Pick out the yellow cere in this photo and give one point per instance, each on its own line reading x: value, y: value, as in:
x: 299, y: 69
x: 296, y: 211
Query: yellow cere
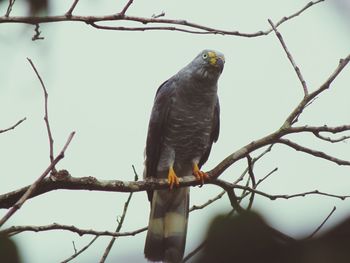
x: 213, y: 58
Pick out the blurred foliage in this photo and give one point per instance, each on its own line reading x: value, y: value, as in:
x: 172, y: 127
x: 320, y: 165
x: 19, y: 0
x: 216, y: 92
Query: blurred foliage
x: 248, y: 238
x: 34, y: 6
x: 8, y: 250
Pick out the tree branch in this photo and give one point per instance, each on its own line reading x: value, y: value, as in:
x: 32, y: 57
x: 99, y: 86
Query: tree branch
x: 322, y: 224
x: 77, y: 253
x: 70, y: 10
x: 9, y: 8
x: 29, y: 192
x: 310, y: 97
x: 291, y: 59
x: 46, y: 116
x: 13, y: 126
x: 313, y: 152
x: 122, y: 218
x: 179, y: 25
x: 126, y: 7
x: 13, y: 230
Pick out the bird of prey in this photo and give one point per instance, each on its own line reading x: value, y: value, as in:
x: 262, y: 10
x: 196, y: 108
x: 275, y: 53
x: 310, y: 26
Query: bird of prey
x: 183, y: 125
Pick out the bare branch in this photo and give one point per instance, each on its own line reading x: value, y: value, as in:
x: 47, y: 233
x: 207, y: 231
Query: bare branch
x: 75, y: 249
x: 120, y: 224
x: 308, y: 5
x: 9, y: 8
x: 342, y: 64
x: 254, y: 160
x: 322, y: 224
x: 70, y: 10
x: 291, y: 59
x: 179, y: 25
x: 33, y: 187
x: 194, y: 252
x: 90, y: 183
x: 306, y: 100
x: 272, y: 197
x: 318, y: 129
x: 126, y: 7
x: 329, y: 139
x: 13, y: 126
x: 77, y: 253
x: 46, y: 116
x: 266, y: 176
x: 13, y: 230
x: 252, y: 178
x: 210, y: 201
x: 313, y: 152
x: 324, y: 128
x: 159, y: 15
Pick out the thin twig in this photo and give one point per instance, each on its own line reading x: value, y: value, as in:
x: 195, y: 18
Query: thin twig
x: 306, y: 100
x: 266, y: 176
x: 252, y: 178
x: 317, y: 129
x: 210, y: 201
x: 70, y: 10
x: 46, y: 116
x: 322, y: 224
x: 77, y: 253
x: 318, y: 154
x: 75, y: 249
x: 159, y: 15
x: 126, y: 7
x: 329, y: 139
x: 13, y: 126
x: 194, y: 252
x: 32, y: 188
x: 291, y: 59
x: 120, y: 224
x: 9, y: 8
x: 121, y: 221
x: 267, y: 150
x: 308, y: 5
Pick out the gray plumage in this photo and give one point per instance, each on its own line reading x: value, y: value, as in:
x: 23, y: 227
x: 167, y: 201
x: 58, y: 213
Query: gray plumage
x: 184, y: 124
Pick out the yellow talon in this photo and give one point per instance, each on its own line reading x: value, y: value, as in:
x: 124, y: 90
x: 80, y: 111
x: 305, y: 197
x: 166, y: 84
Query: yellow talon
x: 172, y: 178
x: 200, y: 175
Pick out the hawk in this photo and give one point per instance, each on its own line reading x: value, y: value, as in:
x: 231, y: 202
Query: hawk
x: 184, y: 124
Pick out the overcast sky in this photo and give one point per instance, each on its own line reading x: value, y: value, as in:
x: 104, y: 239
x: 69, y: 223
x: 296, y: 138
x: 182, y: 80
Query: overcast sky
x: 101, y: 84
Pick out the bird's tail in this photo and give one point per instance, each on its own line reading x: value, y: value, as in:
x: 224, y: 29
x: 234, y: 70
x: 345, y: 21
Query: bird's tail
x: 166, y: 236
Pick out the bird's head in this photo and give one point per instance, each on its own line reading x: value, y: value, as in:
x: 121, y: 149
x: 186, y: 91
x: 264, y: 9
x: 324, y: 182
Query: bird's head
x: 209, y: 64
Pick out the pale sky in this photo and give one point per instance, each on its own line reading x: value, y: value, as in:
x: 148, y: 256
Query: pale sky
x: 101, y: 84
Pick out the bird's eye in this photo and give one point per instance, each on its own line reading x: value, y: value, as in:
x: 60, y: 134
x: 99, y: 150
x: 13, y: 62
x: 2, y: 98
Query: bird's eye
x: 204, y: 56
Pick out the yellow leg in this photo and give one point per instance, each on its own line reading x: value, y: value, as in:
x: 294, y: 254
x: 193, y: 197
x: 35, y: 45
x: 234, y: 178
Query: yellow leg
x: 172, y: 178
x: 200, y: 175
